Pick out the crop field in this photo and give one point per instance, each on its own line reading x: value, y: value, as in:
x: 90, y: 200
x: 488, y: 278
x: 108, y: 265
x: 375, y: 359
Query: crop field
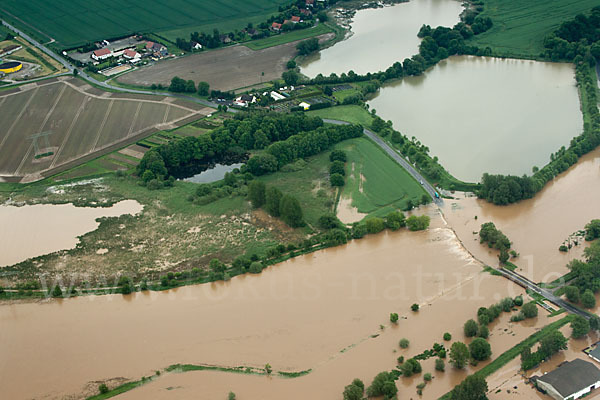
x: 374, y: 181
x: 521, y: 26
x: 224, y: 69
x: 54, y: 125
x: 76, y: 22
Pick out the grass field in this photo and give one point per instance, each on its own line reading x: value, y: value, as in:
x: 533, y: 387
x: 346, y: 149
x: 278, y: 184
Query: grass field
x: 73, y: 23
x: 521, y: 26
x: 288, y: 37
x: 352, y: 113
x: 81, y: 123
x: 374, y: 181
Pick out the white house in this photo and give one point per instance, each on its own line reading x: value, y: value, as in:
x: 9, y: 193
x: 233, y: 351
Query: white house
x: 304, y: 105
x: 244, y: 100
x: 571, y: 380
x: 102, y: 54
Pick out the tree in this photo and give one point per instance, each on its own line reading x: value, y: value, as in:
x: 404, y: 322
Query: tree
x: 256, y: 267
x: 337, y: 155
x: 268, y: 369
x: 404, y: 343
x: 375, y: 225
x: 337, y: 167
x: 257, y: 193
x: 291, y: 77
x: 572, y: 293
x: 308, y: 46
x: 336, y: 180
x: 480, y: 349
x: 383, y: 385
x: 552, y: 343
x: 231, y: 396
x: 395, y: 220
x: 580, y: 327
x: 415, y: 223
x: 322, y: 15
x: 440, y: 365
x: 518, y: 301
x: 290, y: 211
x: 483, y: 331
x: 530, y: 310
x: 103, y: 389
x: 394, y: 318
x: 353, y: 392
x: 415, y: 307
x: 594, y: 322
x: 592, y: 229
x: 410, y: 367
x: 447, y: 336
x: 470, y: 328
x: 203, y: 88
x: 588, y: 300
x: 459, y: 355
x: 474, y: 387
x: 272, y: 200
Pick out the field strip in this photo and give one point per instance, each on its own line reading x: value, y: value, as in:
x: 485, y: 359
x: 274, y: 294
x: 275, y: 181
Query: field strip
x: 48, y: 114
x: 18, y: 118
x: 134, y: 119
x: 80, y: 90
x: 102, y: 125
x: 166, y: 113
x: 64, y: 142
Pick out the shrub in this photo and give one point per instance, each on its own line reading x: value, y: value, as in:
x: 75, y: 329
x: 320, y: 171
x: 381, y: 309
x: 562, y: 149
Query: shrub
x: 256, y: 267
x: 483, y: 331
x: 410, y: 367
x: 470, y: 328
x: 447, y: 336
x: 440, y: 365
x: 103, y: 388
x: 480, y: 349
x: 404, y: 343
x: 394, y: 318
x: 414, y: 307
x: 518, y: 301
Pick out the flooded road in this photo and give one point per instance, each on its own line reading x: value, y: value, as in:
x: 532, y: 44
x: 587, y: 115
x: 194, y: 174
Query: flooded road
x: 35, y: 230
x: 537, y: 227
x: 481, y: 114
x: 382, y: 36
x: 297, y: 315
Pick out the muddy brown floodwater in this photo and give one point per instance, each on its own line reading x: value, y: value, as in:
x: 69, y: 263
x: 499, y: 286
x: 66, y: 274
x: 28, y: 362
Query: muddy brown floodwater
x: 537, y: 227
x: 34, y: 230
x: 297, y: 315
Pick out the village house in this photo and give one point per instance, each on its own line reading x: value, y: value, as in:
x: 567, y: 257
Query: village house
x: 244, y: 100
x: 196, y: 46
x: 295, y: 19
x: 132, y: 56
x: 101, y: 54
x: 276, y: 27
x: 571, y: 380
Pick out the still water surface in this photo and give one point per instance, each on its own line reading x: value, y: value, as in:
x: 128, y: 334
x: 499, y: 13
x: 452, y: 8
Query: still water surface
x: 481, y: 114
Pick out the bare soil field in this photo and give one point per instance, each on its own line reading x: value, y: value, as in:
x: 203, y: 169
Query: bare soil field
x: 225, y: 69
x: 49, y: 126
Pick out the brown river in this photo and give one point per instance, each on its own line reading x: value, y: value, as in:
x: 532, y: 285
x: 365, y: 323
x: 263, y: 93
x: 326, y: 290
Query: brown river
x: 382, y: 36
x: 481, y: 114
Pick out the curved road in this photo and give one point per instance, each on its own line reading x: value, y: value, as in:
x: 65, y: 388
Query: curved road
x: 398, y: 158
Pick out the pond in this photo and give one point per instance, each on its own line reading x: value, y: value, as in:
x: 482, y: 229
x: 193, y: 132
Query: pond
x: 35, y: 230
x: 213, y: 174
x: 481, y: 114
x: 382, y: 36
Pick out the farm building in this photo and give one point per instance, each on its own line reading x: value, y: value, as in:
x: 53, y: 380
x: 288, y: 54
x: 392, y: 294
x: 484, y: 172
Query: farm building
x: 571, y: 380
x: 131, y: 55
x: 101, y: 54
x: 11, y: 66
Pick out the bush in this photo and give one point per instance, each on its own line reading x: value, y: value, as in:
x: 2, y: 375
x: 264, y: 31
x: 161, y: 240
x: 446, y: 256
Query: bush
x: 103, y: 389
x: 414, y: 307
x: 256, y: 267
x: 470, y: 328
x: 394, y: 318
x: 447, y: 336
x: 530, y: 310
x: 518, y: 301
x: 480, y: 349
x: 427, y: 377
x: 404, y: 343
x: 483, y: 331
x: 336, y: 180
x: 337, y: 155
x: 410, y: 367
x: 328, y: 221
x: 440, y: 365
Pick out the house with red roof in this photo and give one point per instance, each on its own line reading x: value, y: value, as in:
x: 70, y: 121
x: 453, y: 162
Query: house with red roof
x: 276, y: 26
x: 101, y: 54
x: 296, y: 19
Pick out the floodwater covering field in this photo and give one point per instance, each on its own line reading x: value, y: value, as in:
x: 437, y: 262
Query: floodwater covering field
x: 538, y: 226
x: 481, y: 114
x: 34, y: 230
x: 382, y: 36
x: 322, y: 312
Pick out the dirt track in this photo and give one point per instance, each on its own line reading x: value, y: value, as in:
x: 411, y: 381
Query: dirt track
x: 224, y: 69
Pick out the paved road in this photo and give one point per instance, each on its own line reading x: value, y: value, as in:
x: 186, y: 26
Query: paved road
x: 70, y: 67
x: 398, y: 158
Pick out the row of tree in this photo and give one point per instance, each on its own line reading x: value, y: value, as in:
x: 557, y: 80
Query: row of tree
x: 276, y: 203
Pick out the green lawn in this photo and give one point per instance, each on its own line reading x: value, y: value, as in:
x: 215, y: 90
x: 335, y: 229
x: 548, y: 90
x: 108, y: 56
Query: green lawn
x: 376, y: 183
x: 521, y: 26
x: 75, y: 22
x: 352, y: 113
x: 288, y: 37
